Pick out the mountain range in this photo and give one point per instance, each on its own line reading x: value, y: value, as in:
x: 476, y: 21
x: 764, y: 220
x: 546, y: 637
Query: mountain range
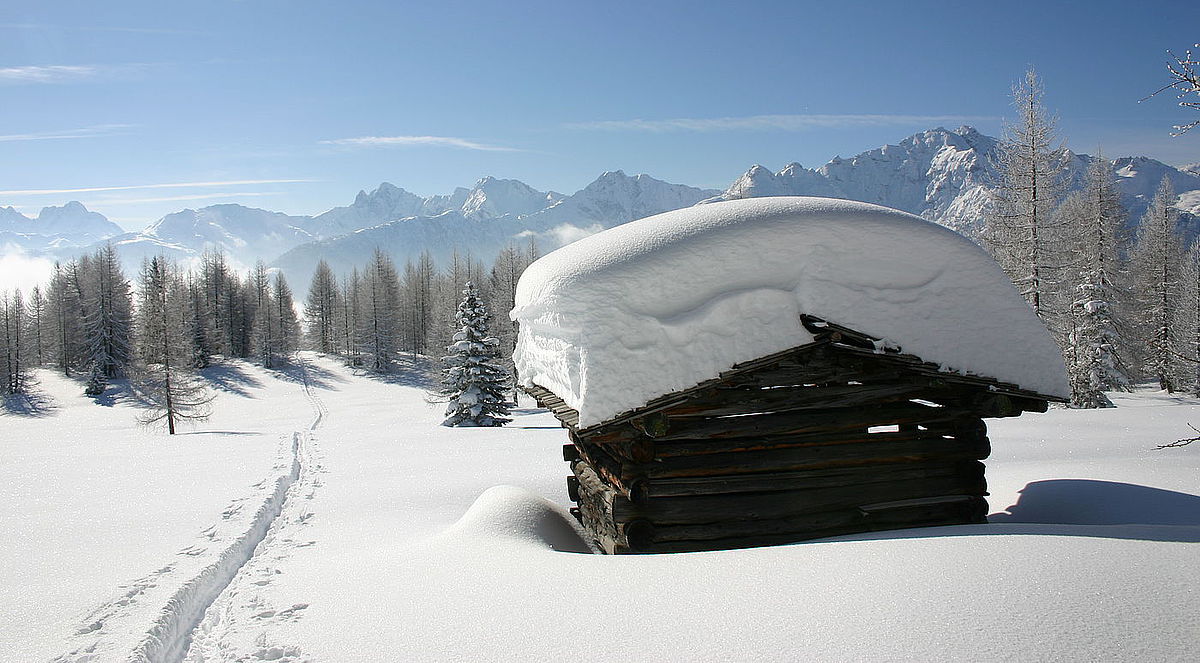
x: 939, y: 174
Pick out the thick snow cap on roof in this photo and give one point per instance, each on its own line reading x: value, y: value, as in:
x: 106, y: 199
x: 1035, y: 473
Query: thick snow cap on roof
x: 658, y: 305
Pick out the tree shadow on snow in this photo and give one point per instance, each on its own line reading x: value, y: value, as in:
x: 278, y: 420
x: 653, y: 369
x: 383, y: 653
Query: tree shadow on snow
x: 230, y: 378
x: 1137, y: 511
x: 33, y: 403
x: 218, y: 432
x: 318, y: 377
x: 118, y: 391
x: 1082, y: 507
x: 408, y: 371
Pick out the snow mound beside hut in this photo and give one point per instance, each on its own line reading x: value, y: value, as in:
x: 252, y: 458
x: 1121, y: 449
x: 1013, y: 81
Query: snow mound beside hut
x: 660, y: 304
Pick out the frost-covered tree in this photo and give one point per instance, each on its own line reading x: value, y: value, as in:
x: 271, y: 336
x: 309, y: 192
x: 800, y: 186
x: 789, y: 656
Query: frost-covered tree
x: 1188, y: 321
x: 173, y: 392
x: 417, y: 303
x: 1156, y: 266
x: 320, y: 309
x: 108, y: 323
x: 379, y: 324
x: 349, y: 314
x: 199, y: 326
x: 473, y: 380
x: 265, y: 334
x: 1094, y: 219
x: 1020, y: 229
x: 14, y: 356
x: 1185, y: 80
x: 65, y: 309
x: 285, y: 316
x: 37, y: 324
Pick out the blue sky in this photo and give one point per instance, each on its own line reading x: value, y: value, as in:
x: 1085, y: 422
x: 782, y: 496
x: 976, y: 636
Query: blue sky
x: 296, y: 105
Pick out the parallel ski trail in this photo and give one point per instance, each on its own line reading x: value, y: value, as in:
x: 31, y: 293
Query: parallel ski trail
x: 241, y: 607
x: 168, y: 639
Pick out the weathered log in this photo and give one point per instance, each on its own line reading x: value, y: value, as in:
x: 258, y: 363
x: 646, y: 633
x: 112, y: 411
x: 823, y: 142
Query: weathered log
x: 687, y: 538
x: 611, y: 469
x: 782, y: 504
x: 818, y: 457
x: 674, y: 448
x: 725, y: 402
x: 830, y: 419
x: 595, y: 509
x: 826, y: 478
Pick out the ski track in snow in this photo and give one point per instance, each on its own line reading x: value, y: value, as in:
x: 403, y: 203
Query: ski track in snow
x: 222, y: 595
x: 242, y: 611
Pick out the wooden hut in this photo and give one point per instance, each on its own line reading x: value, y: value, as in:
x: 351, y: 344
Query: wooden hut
x: 766, y: 371
x: 833, y: 437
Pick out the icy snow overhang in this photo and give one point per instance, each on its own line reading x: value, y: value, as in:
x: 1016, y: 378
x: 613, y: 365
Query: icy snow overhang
x: 656, y: 306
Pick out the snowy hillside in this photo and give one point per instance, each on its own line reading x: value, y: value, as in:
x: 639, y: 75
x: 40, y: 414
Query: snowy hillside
x: 307, y: 523
x: 944, y: 176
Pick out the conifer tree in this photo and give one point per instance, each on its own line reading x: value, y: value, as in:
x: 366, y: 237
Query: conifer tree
x: 379, y: 325
x: 1095, y: 218
x: 1019, y: 229
x: 473, y: 380
x: 320, y: 309
x: 285, y: 315
x: 1189, y: 320
x: 1156, y: 262
x: 199, y: 325
x: 265, y: 334
x: 173, y: 392
x: 66, y: 308
x: 14, y: 369
x: 37, y: 324
x: 108, y: 322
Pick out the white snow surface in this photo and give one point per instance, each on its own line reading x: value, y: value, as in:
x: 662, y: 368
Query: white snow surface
x: 658, y: 305
x: 398, y: 539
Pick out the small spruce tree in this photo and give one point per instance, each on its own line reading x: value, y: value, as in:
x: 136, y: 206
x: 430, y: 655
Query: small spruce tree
x: 473, y: 380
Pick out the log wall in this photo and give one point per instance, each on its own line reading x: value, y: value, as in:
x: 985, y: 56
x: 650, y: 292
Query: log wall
x: 830, y: 439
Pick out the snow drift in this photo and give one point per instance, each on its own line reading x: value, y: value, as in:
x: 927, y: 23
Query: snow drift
x: 661, y: 304
x: 509, y: 513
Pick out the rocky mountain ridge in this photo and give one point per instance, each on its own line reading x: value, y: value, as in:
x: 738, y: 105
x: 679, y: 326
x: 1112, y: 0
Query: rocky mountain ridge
x: 939, y: 174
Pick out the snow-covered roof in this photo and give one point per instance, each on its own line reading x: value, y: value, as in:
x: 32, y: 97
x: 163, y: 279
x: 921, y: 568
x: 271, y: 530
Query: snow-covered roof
x: 658, y: 305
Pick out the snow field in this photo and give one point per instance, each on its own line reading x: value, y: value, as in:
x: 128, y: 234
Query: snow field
x: 400, y: 539
x: 107, y: 522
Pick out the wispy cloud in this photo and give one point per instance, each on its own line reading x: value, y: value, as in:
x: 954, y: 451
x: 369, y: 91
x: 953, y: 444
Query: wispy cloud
x: 83, y: 132
x: 61, y: 73
x: 197, y: 196
x: 99, y: 28
x: 772, y: 122
x: 48, y: 74
x: 410, y: 141
x: 130, y: 187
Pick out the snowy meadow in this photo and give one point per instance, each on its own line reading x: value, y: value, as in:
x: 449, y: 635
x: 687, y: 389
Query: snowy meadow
x: 322, y: 514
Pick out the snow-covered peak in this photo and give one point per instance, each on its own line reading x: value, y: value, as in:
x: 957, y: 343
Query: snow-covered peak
x: 615, y: 198
x: 1140, y: 177
x: 939, y: 174
x: 660, y: 304
x: 491, y: 198
x: 13, y: 221
x: 245, y: 233
x: 74, y: 222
